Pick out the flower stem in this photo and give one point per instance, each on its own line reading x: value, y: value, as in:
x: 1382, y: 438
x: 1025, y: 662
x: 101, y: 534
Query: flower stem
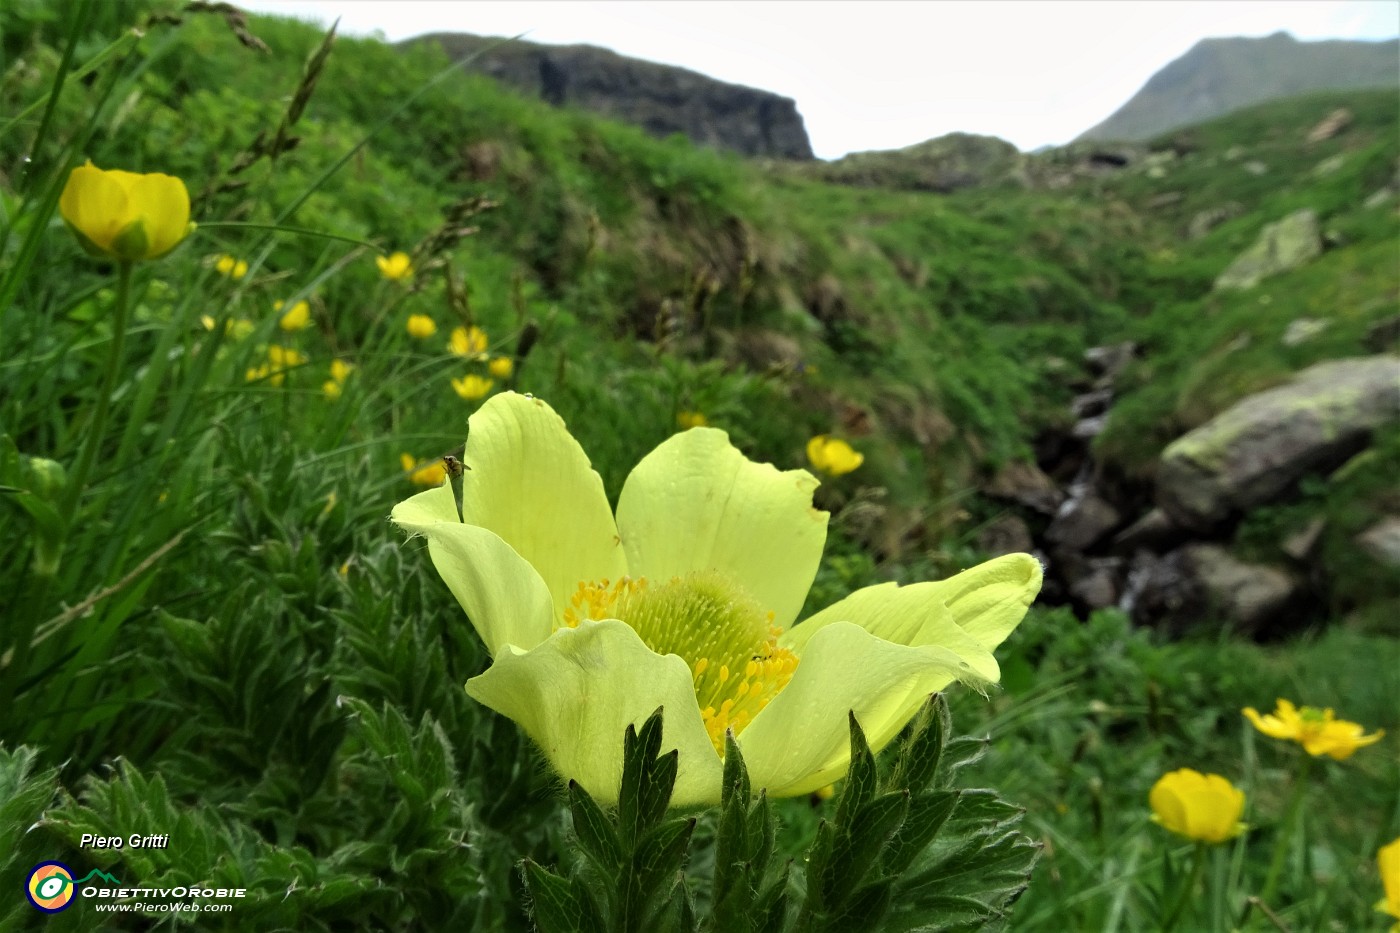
x: 1198, y: 864
x: 1289, y: 826
x: 97, y: 429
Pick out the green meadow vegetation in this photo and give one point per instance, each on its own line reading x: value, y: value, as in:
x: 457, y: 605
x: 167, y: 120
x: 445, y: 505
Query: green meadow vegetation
x: 211, y: 630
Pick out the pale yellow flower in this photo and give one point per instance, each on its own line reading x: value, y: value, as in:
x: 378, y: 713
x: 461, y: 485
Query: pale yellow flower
x: 691, y: 419
x: 237, y: 328
x: 467, y: 341
x: 1202, y: 807
x: 230, y: 267
x: 423, y: 473
x: 472, y: 387
x: 1317, y: 730
x: 501, y: 367
x: 833, y: 456
x: 298, y: 318
x: 125, y: 215
x: 686, y: 599
x: 421, y: 327
x: 395, y: 267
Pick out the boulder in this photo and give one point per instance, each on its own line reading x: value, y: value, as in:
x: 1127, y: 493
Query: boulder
x: 1025, y: 484
x: 1301, y: 544
x: 1284, y: 245
x: 1382, y: 541
x: 1261, y: 446
x: 1005, y: 534
x: 1204, y: 221
x: 1099, y: 583
x: 1303, y: 329
x: 1331, y: 125
x: 1176, y: 591
x: 1108, y: 362
x: 1154, y: 531
x: 1081, y: 521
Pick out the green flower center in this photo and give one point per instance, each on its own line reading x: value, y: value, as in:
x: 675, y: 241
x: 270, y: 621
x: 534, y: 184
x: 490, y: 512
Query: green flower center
x: 705, y: 618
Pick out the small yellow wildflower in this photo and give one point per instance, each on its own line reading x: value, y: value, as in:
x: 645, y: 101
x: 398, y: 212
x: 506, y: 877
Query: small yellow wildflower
x: 1388, y: 861
x: 279, y: 359
x: 1317, y: 730
x: 691, y: 419
x: 421, y: 327
x: 231, y: 267
x: 472, y: 387
x: 125, y: 215
x: 237, y: 328
x: 395, y: 267
x: 467, y: 341
x: 340, y: 371
x: 298, y: 318
x: 420, y: 473
x: 1203, y: 807
x: 833, y: 456
x: 501, y: 367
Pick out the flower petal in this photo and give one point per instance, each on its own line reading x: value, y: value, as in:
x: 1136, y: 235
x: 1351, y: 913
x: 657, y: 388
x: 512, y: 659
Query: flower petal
x: 801, y: 740
x: 164, y: 202
x: 530, y: 482
x: 912, y: 615
x: 697, y: 503
x: 503, y: 596
x: 988, y: 601
x: 577, y: 693
x: 95, y: 204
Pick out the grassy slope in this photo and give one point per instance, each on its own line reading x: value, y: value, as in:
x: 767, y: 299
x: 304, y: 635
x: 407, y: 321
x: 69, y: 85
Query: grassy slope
x: 935, y: 317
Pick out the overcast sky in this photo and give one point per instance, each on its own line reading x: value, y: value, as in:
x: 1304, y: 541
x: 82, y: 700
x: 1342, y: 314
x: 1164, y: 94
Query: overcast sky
x: 876, y: 74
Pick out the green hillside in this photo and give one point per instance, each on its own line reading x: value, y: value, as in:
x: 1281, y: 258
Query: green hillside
x: 211, y: 630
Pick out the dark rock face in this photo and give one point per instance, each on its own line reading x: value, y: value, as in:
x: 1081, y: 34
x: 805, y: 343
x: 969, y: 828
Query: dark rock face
x: 661, y: 99
x: 1206, y: 581
x: 1258, y: 448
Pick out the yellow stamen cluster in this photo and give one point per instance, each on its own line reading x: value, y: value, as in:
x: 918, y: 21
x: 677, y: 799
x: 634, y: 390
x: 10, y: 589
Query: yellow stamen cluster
x: 730, y: 643
x: 596, y: 600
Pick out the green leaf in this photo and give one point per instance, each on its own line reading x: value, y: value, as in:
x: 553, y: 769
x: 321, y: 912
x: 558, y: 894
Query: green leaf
x: 858, y: 848
x: 927, y: 814
x: 921, y: 748
x: 557, y: 904
x: 594, y: 830
x: 862, y: 780
x: 657, y: 860
x: 646, y: 780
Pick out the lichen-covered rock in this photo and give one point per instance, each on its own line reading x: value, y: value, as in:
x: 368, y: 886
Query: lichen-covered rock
x: 1281, y: 246
x: 1258, y: 448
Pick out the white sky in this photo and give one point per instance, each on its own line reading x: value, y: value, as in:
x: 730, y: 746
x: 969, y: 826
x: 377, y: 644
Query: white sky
x: 883, y: 74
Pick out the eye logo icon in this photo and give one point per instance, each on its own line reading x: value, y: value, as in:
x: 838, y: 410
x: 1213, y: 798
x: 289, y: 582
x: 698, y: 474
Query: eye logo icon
x: 50, y: 887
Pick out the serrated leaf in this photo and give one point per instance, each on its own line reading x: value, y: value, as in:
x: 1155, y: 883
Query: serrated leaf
x: 928, y: 812
x: 647, y: 780
x: 593, y: 829
x: 959, y: 753
x: 557, y: 904
x: 857, y: 850
x: 736, y: 775
x: 921, y: 750
x: 865, y: 909
x: 862, y: 779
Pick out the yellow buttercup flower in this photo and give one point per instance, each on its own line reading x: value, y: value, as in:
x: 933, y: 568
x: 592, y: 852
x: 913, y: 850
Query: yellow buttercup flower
x: 279, y: 359
x: 1388, y: 861
x: 424, y: 473
x: 501, y: 367
x: 237, y: 328
x: 395, y: 267
x: 1203, y: 807
x: 340, y: 371
x: 1317, y: 730
x: 421, y: 327
x: 833, y: 456
x: 691, y: 419
x: 472, y: 387
x: 125, y: 215
x: 231, y: 267
x: 467, y: 341
x: 298, y: 318
x: 686, y: 599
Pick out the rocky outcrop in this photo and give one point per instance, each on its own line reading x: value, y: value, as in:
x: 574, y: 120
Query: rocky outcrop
x: 948, y: 163
x: 1281, y: 246
x: 661, y: 99
x: 1261, y: 446
x: 1200, y: 581
x: 1382, y: 541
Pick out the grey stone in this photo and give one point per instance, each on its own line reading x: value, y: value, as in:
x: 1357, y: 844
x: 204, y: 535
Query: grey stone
x: 1154, y: 530
x: 1081, y: 521
x: 1025, y: 484
x: 1110, y: 360
x: 1248, y: 595
x: 1176, y: 591
x: 1284, y: 245
x: 1204, y: 221
x: 1092, y: 403
x: 1331, y: 125
x: 1005, y: 534
x: 1255, y: 167
x: 1382, y: 541
x: 1301, y: 544
x: 1099, y: 585
x: 1302, y: 330
x: 1089, y: 428
x: 1258, y: 448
